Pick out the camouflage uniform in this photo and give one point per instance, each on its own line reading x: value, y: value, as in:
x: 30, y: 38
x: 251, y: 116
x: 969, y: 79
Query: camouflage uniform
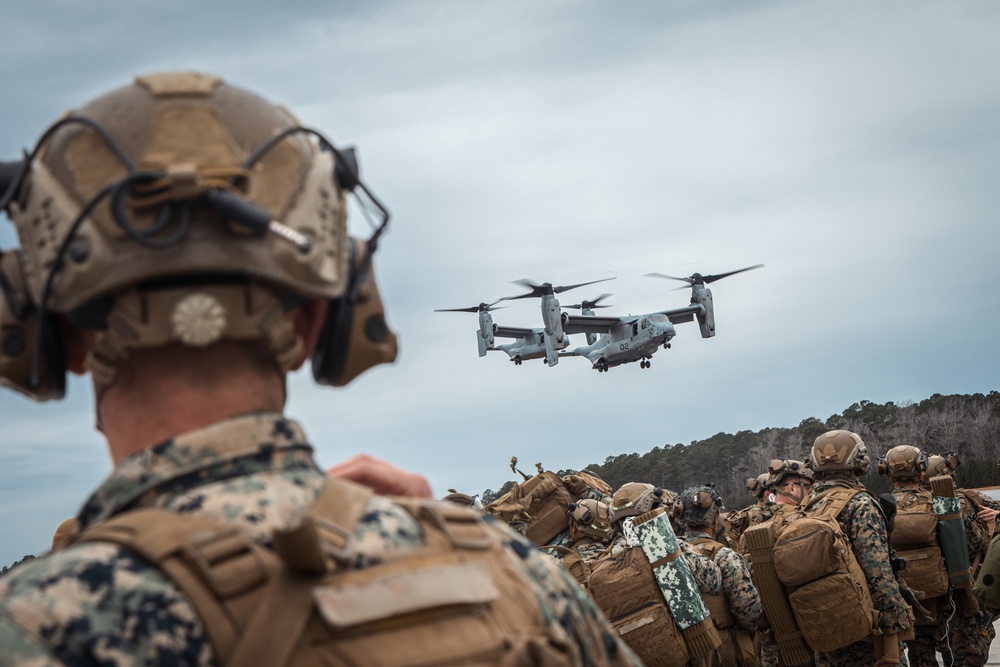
x: 737, y: 585
x: 862, y: 522
x: 95, y: 603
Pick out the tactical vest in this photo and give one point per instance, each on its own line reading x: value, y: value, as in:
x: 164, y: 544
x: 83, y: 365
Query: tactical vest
x: 738, y: 648
x: 827, y: 588
x: 915, y: 540
x: 460, y: 600
x: 540, y: 502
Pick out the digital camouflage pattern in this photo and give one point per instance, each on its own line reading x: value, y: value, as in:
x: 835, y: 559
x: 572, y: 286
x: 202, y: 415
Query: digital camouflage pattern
x: 679, y: 588
x: 95, y: 603
x: 737, y: 586
x: 863, y: 524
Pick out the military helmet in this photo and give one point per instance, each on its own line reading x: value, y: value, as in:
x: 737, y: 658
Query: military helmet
x: 182, y: 209
x: 940, y: 464
x: 698, y: 506
x: 757, y: 485
x: 590, y: 517
x: 903, y: 462
x: 633, y: 499
x: 839, y: 451
x: 196, y: 135
x: 779, y: 469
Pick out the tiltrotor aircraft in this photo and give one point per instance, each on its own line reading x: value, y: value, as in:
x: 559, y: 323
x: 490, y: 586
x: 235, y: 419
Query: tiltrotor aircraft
x: 637, y: 337
x: 611, y: 340
x: 530, y: 343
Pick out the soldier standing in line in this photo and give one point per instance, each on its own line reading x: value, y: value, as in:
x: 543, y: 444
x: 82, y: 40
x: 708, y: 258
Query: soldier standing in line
x: 635, y: 498
x: 589, y: 534
x: 737, y: 608
x: 740, y: 520
x: 790, y: 481
x: 185, y: 242
x: 839, y: 459
x: 967, y: 638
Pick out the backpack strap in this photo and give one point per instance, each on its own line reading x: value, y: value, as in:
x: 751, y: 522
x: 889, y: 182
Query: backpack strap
x: 224, y: 573
x: 839, y: 496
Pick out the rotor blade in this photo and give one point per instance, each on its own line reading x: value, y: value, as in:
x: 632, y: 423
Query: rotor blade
x: 689, y: 281
x: 564, y: 288
x: 591, y: 304
x: 488, y: 307
x: 720, y: 276
x: 472, y: 309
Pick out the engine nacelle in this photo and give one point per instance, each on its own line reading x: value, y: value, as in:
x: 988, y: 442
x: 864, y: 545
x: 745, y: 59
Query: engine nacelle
x: 706, y: 321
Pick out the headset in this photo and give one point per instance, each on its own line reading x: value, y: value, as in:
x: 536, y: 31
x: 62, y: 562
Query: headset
x: 354, y: 337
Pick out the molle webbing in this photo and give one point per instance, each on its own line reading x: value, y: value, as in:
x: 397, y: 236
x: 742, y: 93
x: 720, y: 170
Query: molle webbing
x: 225, y: 575
x: 305, y: 605
x: 759, y: 540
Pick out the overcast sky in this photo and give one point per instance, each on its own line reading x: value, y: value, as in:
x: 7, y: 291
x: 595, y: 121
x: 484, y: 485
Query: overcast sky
x: 852, y: 147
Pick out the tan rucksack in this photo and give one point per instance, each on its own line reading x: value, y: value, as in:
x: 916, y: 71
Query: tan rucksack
x: 461, y: 600
x: 914, y: 537
x: 624, y: 588
x: 541, y: 501
x: 828, y: 591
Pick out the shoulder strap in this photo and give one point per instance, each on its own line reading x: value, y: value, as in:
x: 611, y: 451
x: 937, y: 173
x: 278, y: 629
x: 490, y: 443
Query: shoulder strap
x: 839, y: 497
x: 213, y: 563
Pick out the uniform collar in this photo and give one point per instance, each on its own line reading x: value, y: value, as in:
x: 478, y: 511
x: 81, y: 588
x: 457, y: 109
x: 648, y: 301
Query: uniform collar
x: 235, y: 446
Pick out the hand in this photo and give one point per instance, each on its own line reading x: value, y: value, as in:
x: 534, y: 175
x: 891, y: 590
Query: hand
x: 987, y: 514
x: 382, y: 477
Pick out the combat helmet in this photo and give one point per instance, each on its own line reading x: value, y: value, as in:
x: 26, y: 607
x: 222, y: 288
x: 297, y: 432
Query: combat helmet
x: 757, y: 485
x: 698, y: 506
x: 779, y: 469
x: 181, y: 209
x: 839, y: 451
x: 590, y: 517
x: 635, y: 498
x: 940, y: 464
x: 903, y: 462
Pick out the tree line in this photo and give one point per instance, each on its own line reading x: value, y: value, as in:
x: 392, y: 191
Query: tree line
x: 968, y: 425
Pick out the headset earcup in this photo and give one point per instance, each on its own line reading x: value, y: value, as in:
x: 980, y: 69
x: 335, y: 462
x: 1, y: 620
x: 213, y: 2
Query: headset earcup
x: 330, y: 354
x: 53, y: 361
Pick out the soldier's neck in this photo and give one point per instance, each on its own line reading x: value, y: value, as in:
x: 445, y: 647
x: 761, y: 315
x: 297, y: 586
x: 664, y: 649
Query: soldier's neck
x: 166, y: 392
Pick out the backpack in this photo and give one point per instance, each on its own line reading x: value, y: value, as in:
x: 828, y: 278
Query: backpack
x: 827, y: 588
x: 914, y: 537
x: 541, y: 501
x: 458, y: 601
x: 624, y: 587
x: 738, y: 648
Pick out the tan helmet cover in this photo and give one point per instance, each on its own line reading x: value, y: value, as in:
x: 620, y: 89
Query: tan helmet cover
x: 633, y: 499
x: 839, y: 451
x: 938, y: 465
x: 198, y: 130
x: 904, y: 462
x: 779, y: 469
x: 698, y: 506
x: 590, y: 517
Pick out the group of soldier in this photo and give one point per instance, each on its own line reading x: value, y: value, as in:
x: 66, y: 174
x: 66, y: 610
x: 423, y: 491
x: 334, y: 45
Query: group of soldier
x: 912, y: 626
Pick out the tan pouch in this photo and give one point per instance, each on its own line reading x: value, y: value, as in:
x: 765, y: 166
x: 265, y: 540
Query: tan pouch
x: 832, y: 612
x: 925, y: 573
